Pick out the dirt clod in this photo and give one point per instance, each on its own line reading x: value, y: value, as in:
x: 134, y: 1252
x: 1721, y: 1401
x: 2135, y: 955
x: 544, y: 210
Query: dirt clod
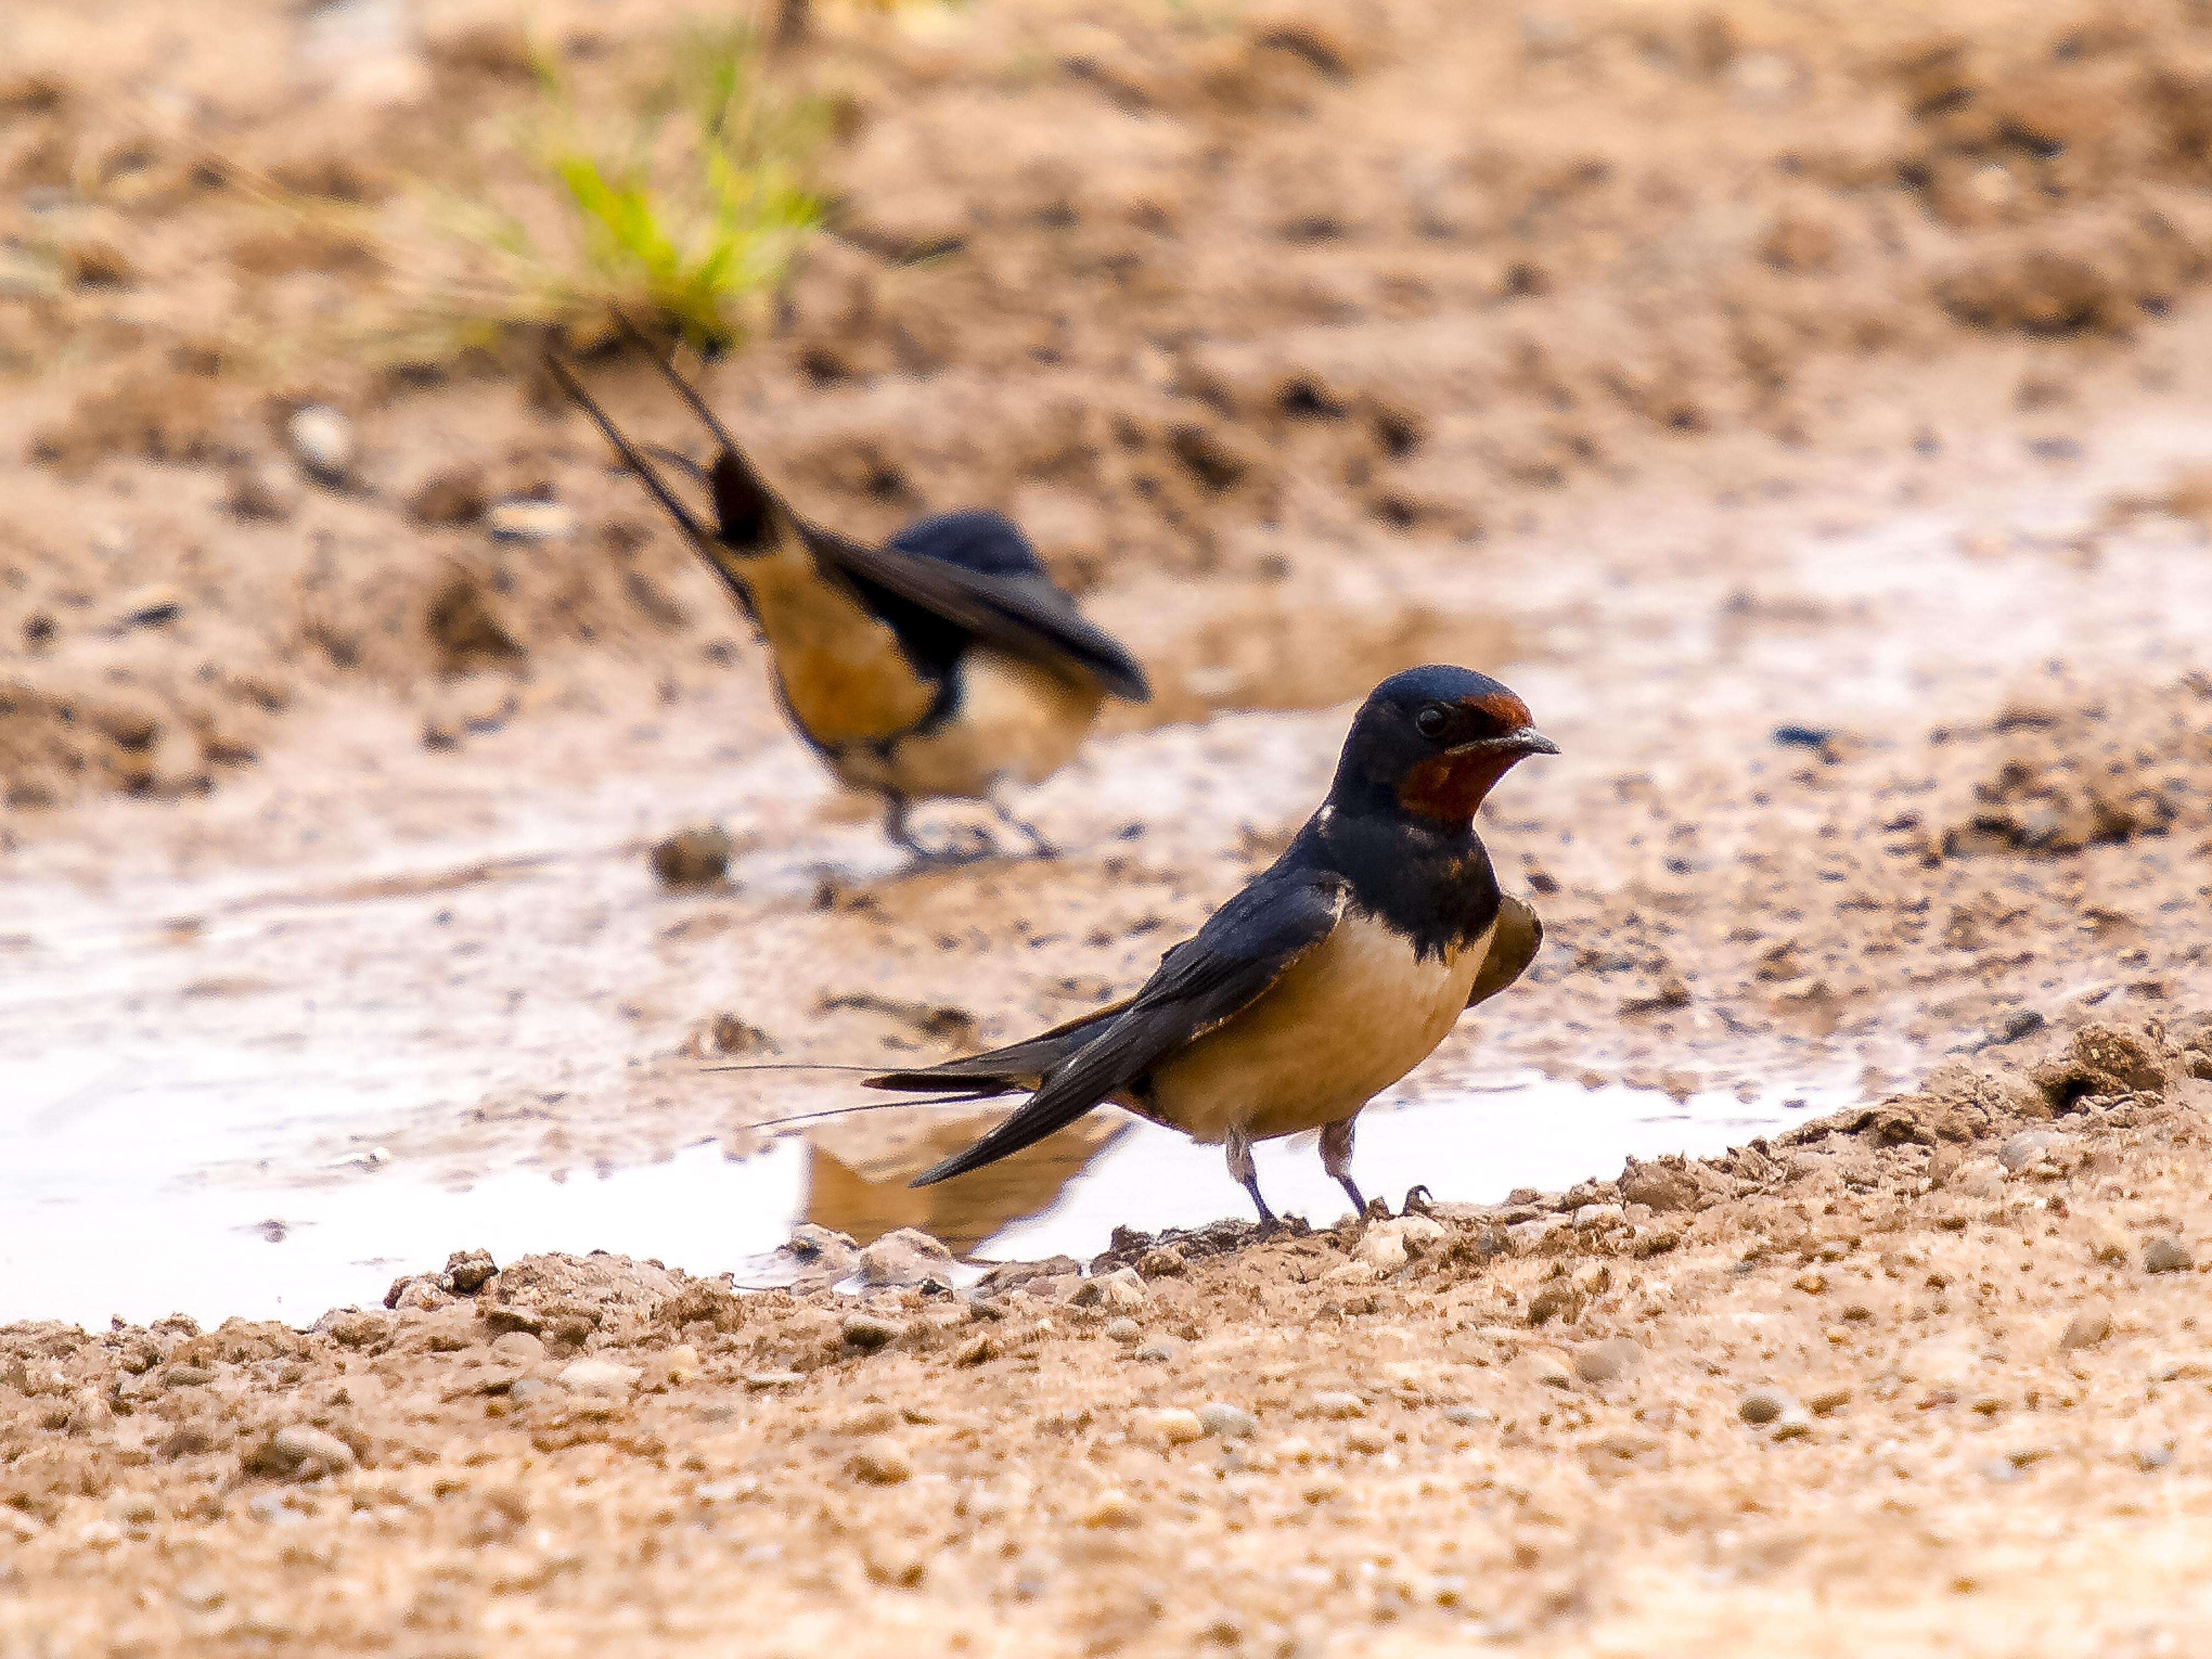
x: 696, y: 857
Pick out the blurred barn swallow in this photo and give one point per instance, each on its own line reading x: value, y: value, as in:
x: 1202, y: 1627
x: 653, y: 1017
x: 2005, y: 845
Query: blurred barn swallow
x: 1329, y: 977
x: 943, y: 663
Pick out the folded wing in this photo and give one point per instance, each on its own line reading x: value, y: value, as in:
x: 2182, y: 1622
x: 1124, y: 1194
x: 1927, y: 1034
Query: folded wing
x: 1209, y: 978
x: 1513, y: 945
x: 1021, y: 611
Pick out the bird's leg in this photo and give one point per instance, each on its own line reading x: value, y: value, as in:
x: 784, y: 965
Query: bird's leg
x: 1238, y: 1145
x: 896, y: 828
x: 899, y: 830
x: 1336, y: 1159
x: 1039, y: 846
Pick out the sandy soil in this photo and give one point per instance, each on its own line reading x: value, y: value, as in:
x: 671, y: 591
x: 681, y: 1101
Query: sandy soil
x: 1712, y: 371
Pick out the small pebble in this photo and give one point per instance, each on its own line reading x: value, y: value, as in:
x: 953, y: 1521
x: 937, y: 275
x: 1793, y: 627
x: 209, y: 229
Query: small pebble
x: 880, y: 1462
x: 1122, y: 1288
x: 1607, y: 1361
x: 906, y: 1256
x: 1830, y: 1401
x: 468, y: 1272
x: 1793, y: 1425
x: 1336, y: 1403
x: 527, y: 518
x: 868, y: 1332
x: 1468, y: 1417
x: 1171, y: 1426
x: 323, y: 440
x: 1763, y: 1406
x: 1166, y: 1262
x: 2086, y: 1329
x: 300, y: 1451
x: 151, y: 606
x: 1367, y: 1439
x: 1548, y: 1367
x: 2151, y: 1459
x: 1381, y: 1249
x: 1227, y: 1422
x: 2025, y: 1148
x: 1126, y: 1331
x: 2167, y: 1255
x: 597, y: 1376
x: 698, y: 857
x: 1112, y: 1508
x: 1526, y: 1235
x: 1159, y: 1351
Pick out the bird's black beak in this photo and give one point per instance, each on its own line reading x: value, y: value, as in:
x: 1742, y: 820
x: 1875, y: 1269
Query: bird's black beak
x: 1526, y: 741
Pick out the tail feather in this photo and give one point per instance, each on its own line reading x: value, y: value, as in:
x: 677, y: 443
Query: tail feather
x: 1023, y: 1128
x: 1017, y: 1068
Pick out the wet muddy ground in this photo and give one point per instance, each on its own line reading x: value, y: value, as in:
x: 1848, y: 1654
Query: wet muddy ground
x: 1814, y: 428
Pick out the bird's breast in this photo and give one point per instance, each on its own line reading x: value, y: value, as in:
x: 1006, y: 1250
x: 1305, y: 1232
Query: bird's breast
x: 1345, y: 1022
x: 843, y: 676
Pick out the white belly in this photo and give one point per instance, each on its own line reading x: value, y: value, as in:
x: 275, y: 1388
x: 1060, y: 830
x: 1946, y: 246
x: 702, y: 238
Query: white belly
x: 1344, y: 1023
x: 1012, y: 722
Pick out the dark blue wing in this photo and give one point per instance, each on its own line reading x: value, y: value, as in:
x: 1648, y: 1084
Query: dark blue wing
x: 961, y: 576
x: 1216, y: 973
x: 987, y: 542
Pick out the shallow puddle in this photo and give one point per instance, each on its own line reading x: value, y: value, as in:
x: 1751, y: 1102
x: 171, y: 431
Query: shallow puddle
x: 132, y: 1198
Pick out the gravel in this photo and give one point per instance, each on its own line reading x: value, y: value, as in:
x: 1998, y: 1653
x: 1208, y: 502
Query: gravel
x: 300, y: 1451
x: 323, y: 440
x: 881, y: 1461
x: 696, y: 857
x: 597, y: 1377
x: 1607, y: 1361
x: 1226, y: 1422
x: 2167, y: 1255
x: 1171, y: 1426
x: 2086, y: 1329
x: 868, y: 1332
x: 1761, y: 1405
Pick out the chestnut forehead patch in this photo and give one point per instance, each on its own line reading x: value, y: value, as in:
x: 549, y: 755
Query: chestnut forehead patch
x: 1505, y: 708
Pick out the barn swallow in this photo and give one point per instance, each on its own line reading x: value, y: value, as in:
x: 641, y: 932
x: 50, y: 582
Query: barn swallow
x: 1330, y: 976
x: 944, y: 663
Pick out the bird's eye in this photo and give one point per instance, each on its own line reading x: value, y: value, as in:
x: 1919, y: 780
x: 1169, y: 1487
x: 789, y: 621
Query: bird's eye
x: 1431, y: 720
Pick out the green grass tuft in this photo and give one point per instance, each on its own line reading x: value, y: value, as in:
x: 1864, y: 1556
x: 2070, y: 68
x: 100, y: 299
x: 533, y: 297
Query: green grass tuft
x: 684, y: 208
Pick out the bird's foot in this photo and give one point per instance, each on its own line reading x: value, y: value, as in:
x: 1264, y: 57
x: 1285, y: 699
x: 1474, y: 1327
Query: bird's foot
x: 1039, y: 846
x: 968, y: 844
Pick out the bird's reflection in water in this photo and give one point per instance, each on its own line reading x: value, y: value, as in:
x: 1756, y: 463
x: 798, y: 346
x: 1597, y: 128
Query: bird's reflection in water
x: 858, y: 1170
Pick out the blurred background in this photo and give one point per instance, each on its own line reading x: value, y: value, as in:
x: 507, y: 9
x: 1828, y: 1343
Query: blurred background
x: 1772, y: 393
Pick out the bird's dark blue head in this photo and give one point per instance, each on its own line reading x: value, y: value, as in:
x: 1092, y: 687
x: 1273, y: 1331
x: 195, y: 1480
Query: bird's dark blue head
x: 1430, y: 744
